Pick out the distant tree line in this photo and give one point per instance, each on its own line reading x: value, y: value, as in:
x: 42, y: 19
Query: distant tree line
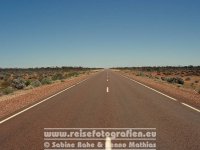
x: 160, y: 68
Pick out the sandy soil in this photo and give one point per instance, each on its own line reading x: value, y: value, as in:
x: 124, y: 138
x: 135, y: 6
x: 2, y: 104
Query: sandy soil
x: 186, y: 95
x: 11, y: 103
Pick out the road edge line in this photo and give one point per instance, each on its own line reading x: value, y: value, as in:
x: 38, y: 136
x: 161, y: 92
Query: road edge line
x: 161, y: 93
x: 151, y: 88
x: 190, y: 107
x: 26, y: 109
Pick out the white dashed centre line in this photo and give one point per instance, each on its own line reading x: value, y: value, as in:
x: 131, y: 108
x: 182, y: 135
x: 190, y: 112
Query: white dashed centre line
x: 107, y: 89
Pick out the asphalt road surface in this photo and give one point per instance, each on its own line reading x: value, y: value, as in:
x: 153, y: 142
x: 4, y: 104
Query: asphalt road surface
x: 106, y: 100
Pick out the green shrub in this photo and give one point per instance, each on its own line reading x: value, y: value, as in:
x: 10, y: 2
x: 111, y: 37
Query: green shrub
x: 46, y: 81
x: 179, y: 81
x: 163, y: 78
x: 73, y: 74
x: 175, y: 80
x: 170, y: 80
x: 57, y: 76
x: 36, y: 83
x: 27, y: 82
x: 8, y: 90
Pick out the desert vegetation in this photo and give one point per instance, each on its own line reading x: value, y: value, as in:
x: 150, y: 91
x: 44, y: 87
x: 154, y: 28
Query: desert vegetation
x: 13, y: 79
x: 181, y: 76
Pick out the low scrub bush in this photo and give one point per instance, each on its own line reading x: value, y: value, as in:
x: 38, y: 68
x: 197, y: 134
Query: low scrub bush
x: 57, y: 76
x: 19, y: 83
x: 75, y: 74
x: 36, y: 83
x: 179, y: 80
x: 28, y: 82
x: 46, y: 81
x: 175, y: 80
x: 187, y: 79
x: 71, y: 74
x: 163, y: 78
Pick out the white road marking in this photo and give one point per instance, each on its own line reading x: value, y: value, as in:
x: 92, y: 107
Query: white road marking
x: 152, y: 89
x: 107, y: 89
x: 161, y: 93
x: 107, y: 77
x: 108, y: 145
x: 191, y: 107
x: 40, y: 102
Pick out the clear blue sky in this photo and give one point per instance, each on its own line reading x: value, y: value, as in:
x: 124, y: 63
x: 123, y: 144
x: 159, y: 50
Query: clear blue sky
x: 99, y: 33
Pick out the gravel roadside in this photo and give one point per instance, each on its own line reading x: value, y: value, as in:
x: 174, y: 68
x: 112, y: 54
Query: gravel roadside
x: 188, y: 96
x: 12, y: 103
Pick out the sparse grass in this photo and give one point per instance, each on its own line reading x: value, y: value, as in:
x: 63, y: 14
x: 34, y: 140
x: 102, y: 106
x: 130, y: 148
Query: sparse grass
x: 36, y: 83
x: 46, y: 81
x: 5, y: 84
x: 8, y: 90
x: 57, y: 76
x: 73, y: 74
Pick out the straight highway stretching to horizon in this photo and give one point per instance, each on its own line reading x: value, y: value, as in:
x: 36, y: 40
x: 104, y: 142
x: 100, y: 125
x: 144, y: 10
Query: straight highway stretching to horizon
x: 106, y: 100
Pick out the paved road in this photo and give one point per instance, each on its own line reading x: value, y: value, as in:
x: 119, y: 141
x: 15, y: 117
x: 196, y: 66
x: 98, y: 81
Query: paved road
x: 124, y: 104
